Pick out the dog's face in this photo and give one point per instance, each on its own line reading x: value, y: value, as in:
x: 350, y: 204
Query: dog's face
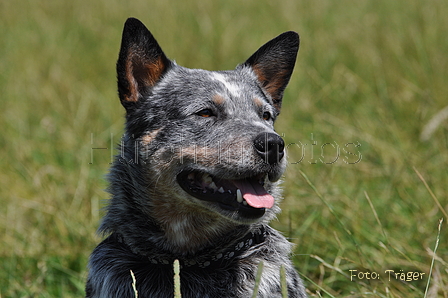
x: 206, y: 139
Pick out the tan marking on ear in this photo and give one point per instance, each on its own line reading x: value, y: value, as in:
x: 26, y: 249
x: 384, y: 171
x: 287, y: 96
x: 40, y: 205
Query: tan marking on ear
x: 154, y: 71
x: 133, y: 85
x: 273, y: 87
x: 141, y: 73
x: 259, y: 73
x: 218, y: 99
x: 149, y: 137
x: 258, y: 102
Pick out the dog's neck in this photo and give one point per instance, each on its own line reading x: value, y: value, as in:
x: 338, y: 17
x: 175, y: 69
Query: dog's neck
x: 213, y: 256
x: 189, y: 228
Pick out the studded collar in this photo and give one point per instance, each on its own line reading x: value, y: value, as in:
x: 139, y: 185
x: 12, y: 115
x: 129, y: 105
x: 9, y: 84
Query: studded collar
x: 214, y: 260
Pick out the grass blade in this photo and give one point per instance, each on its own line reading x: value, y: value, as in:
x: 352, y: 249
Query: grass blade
x: 284, y: 286
x: 431, y: 193
x: 176, y: 266
x: 134, y: 283
x: 258, y: 279
x: 304, y: 277
x: 376, y: 216
x: 433, y: 256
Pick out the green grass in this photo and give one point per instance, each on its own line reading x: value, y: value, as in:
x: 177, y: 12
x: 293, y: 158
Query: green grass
x: 369, y: 72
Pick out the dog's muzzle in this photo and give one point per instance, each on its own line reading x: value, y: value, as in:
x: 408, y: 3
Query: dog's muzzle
x: 246, y: 194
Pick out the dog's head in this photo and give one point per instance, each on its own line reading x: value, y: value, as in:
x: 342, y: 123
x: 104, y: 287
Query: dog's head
x: 206, y: 138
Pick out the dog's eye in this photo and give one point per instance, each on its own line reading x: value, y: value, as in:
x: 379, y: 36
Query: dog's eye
x: 205, y: 113
x: 267, y: 116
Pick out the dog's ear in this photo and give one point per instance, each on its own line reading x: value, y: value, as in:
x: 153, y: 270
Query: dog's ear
x: 273, y: 64
x: 141, y: 63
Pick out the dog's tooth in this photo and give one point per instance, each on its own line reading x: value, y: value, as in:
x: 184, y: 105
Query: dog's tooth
x: 244, y: 203
x: 213, y: 186
x: 221, y: 190
x: 207, y: 179
x: 239, y: 196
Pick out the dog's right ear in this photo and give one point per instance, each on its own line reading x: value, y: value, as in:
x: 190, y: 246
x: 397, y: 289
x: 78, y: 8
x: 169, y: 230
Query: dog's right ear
x: 273, y: 64
x: 141, y: 63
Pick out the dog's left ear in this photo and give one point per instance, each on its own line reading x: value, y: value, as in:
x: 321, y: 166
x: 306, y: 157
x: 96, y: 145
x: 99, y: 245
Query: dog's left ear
x: 141, y: 63
x: 273, y: 64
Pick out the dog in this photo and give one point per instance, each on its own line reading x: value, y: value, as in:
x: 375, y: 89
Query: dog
x: 197, y: 177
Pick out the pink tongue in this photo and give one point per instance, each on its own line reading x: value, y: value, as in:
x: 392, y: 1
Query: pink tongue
x: 254, y: 194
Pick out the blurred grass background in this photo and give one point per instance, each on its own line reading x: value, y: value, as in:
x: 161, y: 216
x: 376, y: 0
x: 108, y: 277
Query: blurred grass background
x: 370, y: 72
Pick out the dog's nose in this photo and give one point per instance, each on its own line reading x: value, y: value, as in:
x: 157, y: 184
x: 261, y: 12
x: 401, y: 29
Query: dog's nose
x: 270, y: 146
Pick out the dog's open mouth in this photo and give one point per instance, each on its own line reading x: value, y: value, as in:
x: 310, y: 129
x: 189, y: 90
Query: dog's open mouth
x: 232, y: 194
